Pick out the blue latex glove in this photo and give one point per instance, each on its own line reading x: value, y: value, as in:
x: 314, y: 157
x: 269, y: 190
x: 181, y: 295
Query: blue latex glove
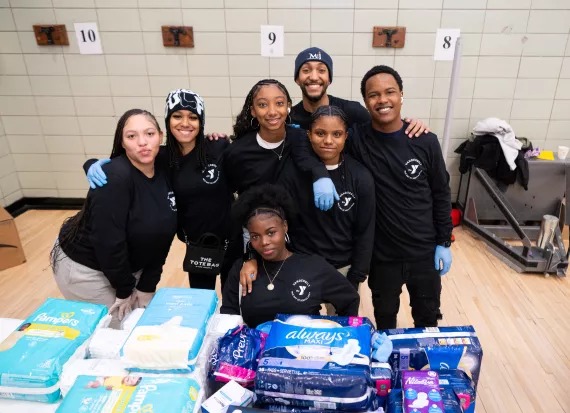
x: 381, y: 347
x: 442, y: 255
x: 325, y: 193
x: 95, y: 174
x: 265, y: 327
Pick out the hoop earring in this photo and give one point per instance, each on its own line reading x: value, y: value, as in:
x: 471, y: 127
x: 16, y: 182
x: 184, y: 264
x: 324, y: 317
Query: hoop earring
x: 287, y: 238
x: 251, y: 123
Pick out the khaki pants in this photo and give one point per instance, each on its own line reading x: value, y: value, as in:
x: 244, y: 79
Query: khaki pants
x: 329, y: 307
x: 80, y: 283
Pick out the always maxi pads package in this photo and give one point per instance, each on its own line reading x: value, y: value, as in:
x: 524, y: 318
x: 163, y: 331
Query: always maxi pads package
x: 31, y: 358
x: 102, y: 394
x: 170, y: 333
x: 313, y: 361
x: 436, y: 348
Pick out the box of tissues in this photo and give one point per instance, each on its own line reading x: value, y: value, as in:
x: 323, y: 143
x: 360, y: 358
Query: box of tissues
x: 421, y: 392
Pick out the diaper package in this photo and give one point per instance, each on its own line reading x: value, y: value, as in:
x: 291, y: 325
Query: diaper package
x: 314, y: 361
x: 31, y: 358
x: 436, y: 348
x: 169, y: 335
x: 421, y: 392
x: 102, y: 394
x: 88, y: 367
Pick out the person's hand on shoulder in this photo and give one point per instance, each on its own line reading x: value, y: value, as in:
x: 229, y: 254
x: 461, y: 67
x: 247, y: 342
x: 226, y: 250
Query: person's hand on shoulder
x: 415, y: 127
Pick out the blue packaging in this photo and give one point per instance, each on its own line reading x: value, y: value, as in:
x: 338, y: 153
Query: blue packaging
x: 314, y: 361
x: 191, y: 308
x: 32, y: 357
x: 436, y: 348
x: 91, y: 394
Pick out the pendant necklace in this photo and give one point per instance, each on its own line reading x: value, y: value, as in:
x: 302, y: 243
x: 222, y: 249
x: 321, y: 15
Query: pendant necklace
x: 271, y: 286
x: 279, y: 155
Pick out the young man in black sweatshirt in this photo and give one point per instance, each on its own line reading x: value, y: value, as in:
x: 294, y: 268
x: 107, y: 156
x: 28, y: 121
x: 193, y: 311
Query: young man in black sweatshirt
x: 413, y: 205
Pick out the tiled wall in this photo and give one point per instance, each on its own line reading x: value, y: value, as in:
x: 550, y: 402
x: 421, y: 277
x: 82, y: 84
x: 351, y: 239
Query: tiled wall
x: 59, y: 107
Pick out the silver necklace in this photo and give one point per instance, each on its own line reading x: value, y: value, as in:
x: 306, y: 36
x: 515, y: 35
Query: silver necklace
x: 279, y: 155
x: 271, y: 286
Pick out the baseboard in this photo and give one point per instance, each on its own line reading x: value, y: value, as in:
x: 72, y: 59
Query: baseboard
x: 26, y: 204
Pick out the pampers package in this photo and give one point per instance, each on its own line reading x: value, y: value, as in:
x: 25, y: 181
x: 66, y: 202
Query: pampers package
x: 314, y: 361
x: 32, y: 357
x: 102, y: 394
x: 436, y: 348
x: 169, y: 335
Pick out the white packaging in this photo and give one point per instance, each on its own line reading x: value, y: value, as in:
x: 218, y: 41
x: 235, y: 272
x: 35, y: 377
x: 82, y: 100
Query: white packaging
x: 232, y: 394
x: 89, y: 367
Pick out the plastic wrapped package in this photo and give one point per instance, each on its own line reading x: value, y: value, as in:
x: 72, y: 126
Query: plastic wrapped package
x: 396, y: 402
x: 106, y: 343
x: 131, y: 320
x: 381, y: 374
x: 314, y: 361
x: 421, y: 392
x: 89, y: 367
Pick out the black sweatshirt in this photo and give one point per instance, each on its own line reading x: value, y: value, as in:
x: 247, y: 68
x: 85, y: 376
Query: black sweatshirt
x: 357, y: 114
x: 129, y: 226
x: 302, y: 285
x: 413, y: 199
x: 344, y: 234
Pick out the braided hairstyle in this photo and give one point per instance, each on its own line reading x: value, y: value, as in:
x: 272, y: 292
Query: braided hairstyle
x: 260, y: 200
x: 329, y: 110
x: 72, y: 225
x: 244, y: 120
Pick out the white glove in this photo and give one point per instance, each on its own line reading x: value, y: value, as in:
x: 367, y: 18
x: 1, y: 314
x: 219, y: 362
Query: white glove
x: 142, y: 300
x: 123, y: 306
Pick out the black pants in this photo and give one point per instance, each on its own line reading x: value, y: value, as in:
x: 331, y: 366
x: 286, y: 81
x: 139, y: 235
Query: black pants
x: 424, y: 286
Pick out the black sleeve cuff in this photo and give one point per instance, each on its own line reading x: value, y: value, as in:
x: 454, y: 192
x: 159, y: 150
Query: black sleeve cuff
x: 355, y: 276
x: 124, y: 293
x: 88, y: 164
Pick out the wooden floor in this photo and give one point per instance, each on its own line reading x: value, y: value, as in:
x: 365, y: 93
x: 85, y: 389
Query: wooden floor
x: 523, y: 321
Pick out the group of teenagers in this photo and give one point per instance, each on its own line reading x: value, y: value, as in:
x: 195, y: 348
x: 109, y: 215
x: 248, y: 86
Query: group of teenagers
x: 306, y: 201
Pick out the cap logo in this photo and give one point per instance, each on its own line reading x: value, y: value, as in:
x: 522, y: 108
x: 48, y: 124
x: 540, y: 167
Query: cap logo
x: 316, y: 56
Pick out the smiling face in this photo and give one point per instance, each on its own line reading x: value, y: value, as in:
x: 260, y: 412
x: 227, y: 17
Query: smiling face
x: 383, y: 100
x: 267, y: 236
x: 185, y: 126
x: 270, y: 108
x: 141, y: 140
x: 328, y: 135
x: 314, y: 80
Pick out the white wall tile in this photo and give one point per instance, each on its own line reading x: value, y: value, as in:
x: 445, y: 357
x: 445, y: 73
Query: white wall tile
x: 9, y: 42
x: 567, y: 50
x: 418, y: 87
x: 486, y: 108
x: 7, y: 166
x: 410, y: 66
x: 47, y: 64
x: 374, y: 4
x: 550, y: 4
x: 90, y: 85
x: 12, y: 64
x: 27, y: 144
x: 129, y: 85
x: 22, y: 125
x: 563, y: 89
x: 245, y: 4
x: 219, y: 125
x: 565, y: 71
x: 122, y: 104
x: 7, y: 21
x: 508, y: 4
x: 240, y: 86
x: 85, y: 65
x: 71, y: 16
x: 560, y: 110
x: 464, y: 90
x: 94, y: 106
x: 161, y: 86
x: 281, y: 66
x: 244, y: 43
x: 332, y: 4
x: 296, y: 42
x: 468, y: 21
x: 545, y: 45
x: 549, y: 21
x: 342, y: 66
x: 461, y: 110
x: 421, y: 4
x: 64, y: 144
x: 341, y: 87
x: 153, y: 19
x: 15, y: 85
x: 362, y: 64
x: 213, y: 65
x: 26, y: 18
x: 36, y: 180
x: 127, y: 65
x: 416, y: 108
x: 506, y: 21
x: 59, y: 125
x: 74, y: 3
x: 293, y: 20
x: 11, y: 198
x: 10, y: 183
x: 98, y: 144
x: 332, y: 21
x: 540, y: 67
x: 122, y: 42
x: 531, y: 109
x: 557, y: 129
x: 494, y: 88
x: 71, y: 180
x: 535, y: 88
x: 245, y: 20
x: 249, y: 65
x: 55, y: 106
x: 156, y: 4
x: 500, y: 66
x: 73, y: 193
x: 501, y: 45
x: 533, y: 129
x: 419, y: 21
x: 468, y: 67
x: 67, y: 162
x: 97, y: 125
x: 333, y: 43
x: 471, y: 45
x: 119, y: 20
x: 153, y: 44
x: 363, y: 46
x: 218, y: 108
x: 201, y: 4
x: 418, y: 44
x: 31, y: 162
x: 365, y: 20
x: 31, y: 3
x: 40, y: 193
x: 167, y: 65
x: 205, y: 20
x: 29, y: 45
x: 291, y: 4
x: 459, y: 132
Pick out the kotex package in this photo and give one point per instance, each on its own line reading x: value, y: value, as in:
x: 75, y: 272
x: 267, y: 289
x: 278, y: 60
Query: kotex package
x: 169, y: 335
x: 314, y: 361
x: 31, y: 358
x: 102, y: 394
x: 436, y: 348
x: 236, y: 356
x: 421, y: 392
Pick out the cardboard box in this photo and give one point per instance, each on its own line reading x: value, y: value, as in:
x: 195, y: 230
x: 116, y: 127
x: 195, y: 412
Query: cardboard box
x: 11, y: 251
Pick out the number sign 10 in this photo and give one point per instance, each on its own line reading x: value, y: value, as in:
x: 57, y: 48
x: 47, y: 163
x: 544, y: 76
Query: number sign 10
x: 88, y: 38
